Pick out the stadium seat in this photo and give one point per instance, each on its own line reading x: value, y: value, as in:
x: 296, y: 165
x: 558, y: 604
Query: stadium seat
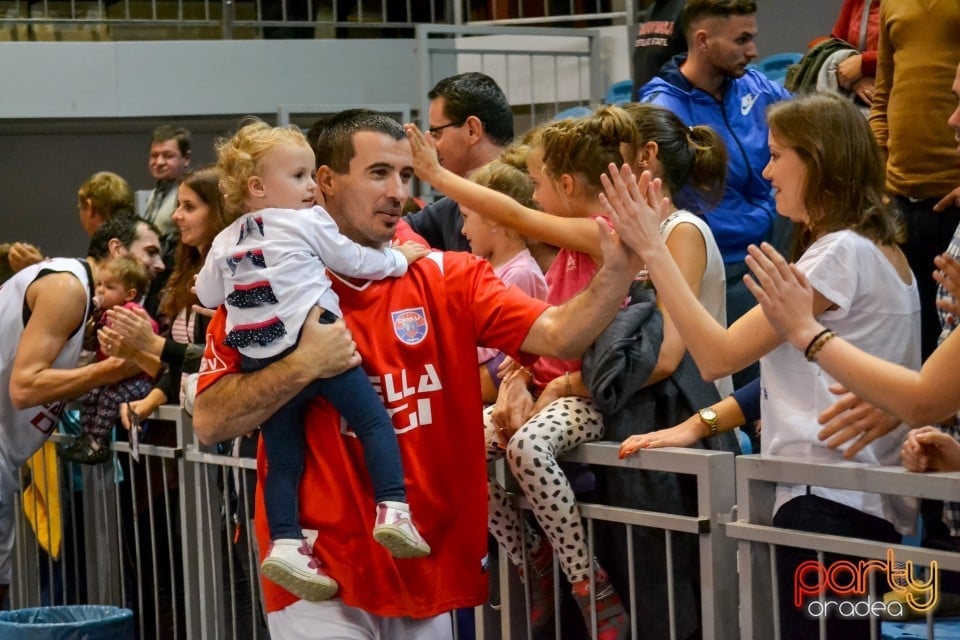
x: 775, y: 66
x: 620, y: 92
x: 578, y: 111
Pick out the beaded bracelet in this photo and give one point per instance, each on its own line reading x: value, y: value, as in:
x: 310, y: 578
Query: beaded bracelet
x: 817, y: 343
x: 813, y: 341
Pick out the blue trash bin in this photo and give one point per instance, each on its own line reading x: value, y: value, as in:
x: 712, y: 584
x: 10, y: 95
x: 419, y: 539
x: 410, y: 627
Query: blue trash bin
x: 77, y: 622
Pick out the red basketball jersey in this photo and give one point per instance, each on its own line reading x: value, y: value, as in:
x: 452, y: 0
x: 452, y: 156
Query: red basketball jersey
x: 418, y: 336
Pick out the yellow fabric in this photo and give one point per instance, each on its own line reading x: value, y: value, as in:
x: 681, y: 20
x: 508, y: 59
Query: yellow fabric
x: 917, y: 60
x: 41, y: 500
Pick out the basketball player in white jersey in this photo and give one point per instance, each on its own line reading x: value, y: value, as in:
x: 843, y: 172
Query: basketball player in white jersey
x: 44, y: 310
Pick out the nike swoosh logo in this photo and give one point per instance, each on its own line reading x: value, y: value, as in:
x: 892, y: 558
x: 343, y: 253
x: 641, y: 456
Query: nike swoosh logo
x: 746, y: 103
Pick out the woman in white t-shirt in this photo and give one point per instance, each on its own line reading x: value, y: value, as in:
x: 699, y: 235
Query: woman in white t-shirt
x: 200, y: 216
x: 828, y: 177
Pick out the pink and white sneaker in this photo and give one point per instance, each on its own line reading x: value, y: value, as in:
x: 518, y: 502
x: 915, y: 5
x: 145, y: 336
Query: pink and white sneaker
x: 291, y: 565
x: 395, y: 531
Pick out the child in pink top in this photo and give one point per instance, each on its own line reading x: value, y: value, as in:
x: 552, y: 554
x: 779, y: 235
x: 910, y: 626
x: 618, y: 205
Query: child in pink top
x: 121, y: 282
x: 504, y: 248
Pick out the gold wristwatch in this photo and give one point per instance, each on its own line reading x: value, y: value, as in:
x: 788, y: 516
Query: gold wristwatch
x: 710, y: 418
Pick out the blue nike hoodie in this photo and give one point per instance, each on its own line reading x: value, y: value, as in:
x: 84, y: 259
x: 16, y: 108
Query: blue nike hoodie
x: 746, y: 212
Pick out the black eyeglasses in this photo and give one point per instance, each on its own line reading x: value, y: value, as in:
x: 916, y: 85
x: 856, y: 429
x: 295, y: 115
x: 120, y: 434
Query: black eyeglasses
x: 436, y: 132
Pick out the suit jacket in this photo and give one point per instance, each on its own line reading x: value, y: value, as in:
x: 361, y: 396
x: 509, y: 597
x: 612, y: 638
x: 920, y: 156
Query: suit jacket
x: 161, y: 214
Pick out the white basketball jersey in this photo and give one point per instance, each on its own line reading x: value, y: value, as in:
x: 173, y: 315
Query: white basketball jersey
x: 23, y: 432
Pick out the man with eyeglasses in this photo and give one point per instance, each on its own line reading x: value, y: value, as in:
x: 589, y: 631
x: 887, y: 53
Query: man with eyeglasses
x: 472, y: 122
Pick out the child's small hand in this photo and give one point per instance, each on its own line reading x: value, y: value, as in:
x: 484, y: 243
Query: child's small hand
x: 412, y: 251
x: 201, y: 310
x: 426, y: 163
x: 506, y: 367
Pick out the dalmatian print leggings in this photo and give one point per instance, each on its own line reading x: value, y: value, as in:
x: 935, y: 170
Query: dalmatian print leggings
x: 532, y: 456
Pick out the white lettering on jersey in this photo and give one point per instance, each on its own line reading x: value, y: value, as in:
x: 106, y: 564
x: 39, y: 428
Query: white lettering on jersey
x: 391, y: 393
x: 214, y: 363
x: 395, y: 389
x: 429, y: 381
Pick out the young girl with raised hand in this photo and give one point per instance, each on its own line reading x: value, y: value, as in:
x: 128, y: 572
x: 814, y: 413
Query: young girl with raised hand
x: 565, y: 161
x: 269, y: 269
x: 504, y: 248
x: 826, y: 171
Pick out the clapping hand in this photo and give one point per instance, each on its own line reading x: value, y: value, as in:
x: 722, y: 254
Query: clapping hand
x: 634, y: 207
x: 929, y: 449
x: 23, y: 255
x: 426, y: 162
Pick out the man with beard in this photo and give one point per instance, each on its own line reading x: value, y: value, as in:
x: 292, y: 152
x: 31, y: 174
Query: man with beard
x: 711, y: 85
x: 417, y: 335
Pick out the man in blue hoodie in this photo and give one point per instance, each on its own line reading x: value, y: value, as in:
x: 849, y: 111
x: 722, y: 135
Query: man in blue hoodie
x: 711, y: 85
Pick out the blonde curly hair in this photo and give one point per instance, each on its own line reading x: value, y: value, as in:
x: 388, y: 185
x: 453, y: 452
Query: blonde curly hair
x: 238, y: 158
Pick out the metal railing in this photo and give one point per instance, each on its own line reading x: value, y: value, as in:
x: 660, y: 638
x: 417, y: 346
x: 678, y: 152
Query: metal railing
x: 227, y: 19
x: 712, y: 476
x: 170, y: 537
x: 757, y: 477
x: 180, y: 553
x: 560, y: 70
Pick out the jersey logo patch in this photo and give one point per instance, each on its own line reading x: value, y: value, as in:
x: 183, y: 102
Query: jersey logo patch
x: 410, y: 325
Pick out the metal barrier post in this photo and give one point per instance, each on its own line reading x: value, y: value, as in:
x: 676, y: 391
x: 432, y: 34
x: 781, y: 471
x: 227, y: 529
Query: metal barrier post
x: 718, y: 556
x: 714, y: 472
x: 102, y: 545
x: 716, y: 499
x: 755, y: 583
x: 26, y: 567
x: 226, y: 20
x: 757, y: 477
x: 195, y: 567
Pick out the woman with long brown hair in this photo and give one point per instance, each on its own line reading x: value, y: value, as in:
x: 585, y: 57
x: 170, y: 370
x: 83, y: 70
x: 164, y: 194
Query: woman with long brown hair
x: 200, y: 216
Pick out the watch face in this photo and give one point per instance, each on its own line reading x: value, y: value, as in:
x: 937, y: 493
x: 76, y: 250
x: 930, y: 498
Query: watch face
x: 708, y: 414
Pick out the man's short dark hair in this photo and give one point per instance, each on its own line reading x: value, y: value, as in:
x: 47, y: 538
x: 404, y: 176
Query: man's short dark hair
x: 124, y: 226
x: 167, y: 132
x: 476, y: 94
x: 332, y: 137
x: 696, y: 10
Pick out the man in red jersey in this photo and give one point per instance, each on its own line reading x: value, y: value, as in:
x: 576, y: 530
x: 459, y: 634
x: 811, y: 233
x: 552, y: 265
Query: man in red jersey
x: 418, y: 335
